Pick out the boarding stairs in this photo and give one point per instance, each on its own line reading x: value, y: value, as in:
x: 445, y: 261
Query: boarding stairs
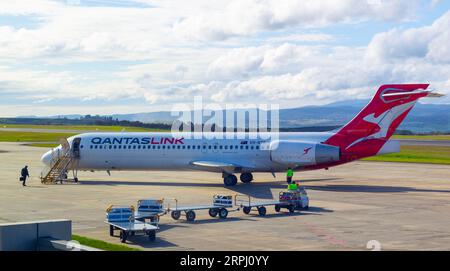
x: 61, y: 160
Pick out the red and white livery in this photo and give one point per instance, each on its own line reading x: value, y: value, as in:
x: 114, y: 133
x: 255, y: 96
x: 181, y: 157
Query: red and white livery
x: 365, y: 135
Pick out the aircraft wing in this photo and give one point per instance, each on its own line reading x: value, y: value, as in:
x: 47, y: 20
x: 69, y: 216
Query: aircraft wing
x: 216, y: 166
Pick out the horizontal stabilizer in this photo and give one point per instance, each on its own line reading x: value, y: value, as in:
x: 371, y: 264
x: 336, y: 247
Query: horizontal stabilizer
x: 415, y: 92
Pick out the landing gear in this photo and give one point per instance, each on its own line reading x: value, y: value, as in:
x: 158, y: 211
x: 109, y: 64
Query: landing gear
x: 229, y: 179
x: 246, y: 177
x: 75, y: 175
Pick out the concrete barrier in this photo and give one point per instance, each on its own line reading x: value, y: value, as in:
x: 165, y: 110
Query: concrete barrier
x: 26, y: 235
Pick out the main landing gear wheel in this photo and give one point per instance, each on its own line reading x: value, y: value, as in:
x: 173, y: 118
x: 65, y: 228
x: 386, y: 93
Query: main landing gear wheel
x: 246, y: 177
x: 213, y: 212
x: 277, y: 208
x: 230, y: 180
x: 223, y: 213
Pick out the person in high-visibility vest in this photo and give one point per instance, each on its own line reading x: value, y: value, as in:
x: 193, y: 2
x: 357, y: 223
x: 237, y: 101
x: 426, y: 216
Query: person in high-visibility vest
x: 289, y: 175
x: 292, y: 186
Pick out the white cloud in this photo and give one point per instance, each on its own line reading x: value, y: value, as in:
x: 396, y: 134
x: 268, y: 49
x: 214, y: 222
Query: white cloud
x: 429, y: 42
x: 246, y: 17
x: 308, y: 37
x: 223, y: 50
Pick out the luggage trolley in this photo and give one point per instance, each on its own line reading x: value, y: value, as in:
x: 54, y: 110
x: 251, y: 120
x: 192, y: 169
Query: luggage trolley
x: 220, y: 205
x: 122, y: 218
x: 291, y: 200
x: 150, y: 209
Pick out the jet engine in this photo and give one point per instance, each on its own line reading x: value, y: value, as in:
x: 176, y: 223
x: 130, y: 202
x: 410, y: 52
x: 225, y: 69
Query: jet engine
x: 302, y: 153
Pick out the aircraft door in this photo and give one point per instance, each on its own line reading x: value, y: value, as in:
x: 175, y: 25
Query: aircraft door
x: 76, y: 147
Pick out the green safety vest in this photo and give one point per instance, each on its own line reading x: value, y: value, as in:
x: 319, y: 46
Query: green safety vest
x: 292, y: 186
x: 290, y: 173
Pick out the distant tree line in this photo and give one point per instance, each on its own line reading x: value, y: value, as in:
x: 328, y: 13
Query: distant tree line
x: 86, y: 120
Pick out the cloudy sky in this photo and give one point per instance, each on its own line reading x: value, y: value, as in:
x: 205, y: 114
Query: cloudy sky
x: 117, y: 56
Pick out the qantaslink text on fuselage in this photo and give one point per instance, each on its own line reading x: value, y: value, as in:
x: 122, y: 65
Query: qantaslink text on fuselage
x: 138, y: 140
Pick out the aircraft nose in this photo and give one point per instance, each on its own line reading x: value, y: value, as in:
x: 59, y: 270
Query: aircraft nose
x: 46, y: 158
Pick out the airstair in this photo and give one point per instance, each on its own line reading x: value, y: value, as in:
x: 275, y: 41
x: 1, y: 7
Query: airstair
x: 62, y: 160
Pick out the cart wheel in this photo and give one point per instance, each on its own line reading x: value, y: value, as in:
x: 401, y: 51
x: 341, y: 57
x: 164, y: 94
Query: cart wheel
x: 151, y: 236
x: 223, y: 213
x: 175, y: 215
x: 190, y: 215
x: 291, y: 208
x: 262, y: 211
x: 123, y: 236
x: 75, y: 180
x: 246, y: 210
x: 213, y: 212
x: 111, y: 230
x: 277, y: 208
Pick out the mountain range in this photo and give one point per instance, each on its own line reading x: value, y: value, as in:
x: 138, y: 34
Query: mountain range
x: 422, y: 118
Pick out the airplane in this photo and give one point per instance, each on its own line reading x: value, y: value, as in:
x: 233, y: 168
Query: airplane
x: 367, y: 134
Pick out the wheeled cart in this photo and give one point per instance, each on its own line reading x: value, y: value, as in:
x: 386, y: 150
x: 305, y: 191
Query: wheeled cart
x: 122, y: 219
x: 291, y: 200
x: 220, y: 207
x: 150, y: 209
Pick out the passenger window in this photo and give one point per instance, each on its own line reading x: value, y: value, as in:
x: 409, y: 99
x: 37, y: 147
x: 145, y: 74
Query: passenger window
x: 246, y: 147
x: 189, y: 147
x: 91, y: 147
x: 164, y: 146
x: 110, y: 147
x: 159, y: 147
x: 226, y: 147
x: 184, y: 147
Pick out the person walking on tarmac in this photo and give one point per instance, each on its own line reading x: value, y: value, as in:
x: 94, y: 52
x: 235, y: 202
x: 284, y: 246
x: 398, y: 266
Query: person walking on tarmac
x: 24, y: 174
x: 289, y: 175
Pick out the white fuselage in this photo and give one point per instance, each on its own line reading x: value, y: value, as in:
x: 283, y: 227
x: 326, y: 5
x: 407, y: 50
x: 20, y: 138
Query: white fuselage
x: 163, y: 151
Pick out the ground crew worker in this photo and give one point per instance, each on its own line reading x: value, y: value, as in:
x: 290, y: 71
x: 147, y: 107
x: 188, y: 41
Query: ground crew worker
x: 24, y: 174
x: 289, y: 175
x: 292, y: 186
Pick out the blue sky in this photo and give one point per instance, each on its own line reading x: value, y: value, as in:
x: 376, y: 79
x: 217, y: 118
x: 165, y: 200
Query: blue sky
x: 106, y: 57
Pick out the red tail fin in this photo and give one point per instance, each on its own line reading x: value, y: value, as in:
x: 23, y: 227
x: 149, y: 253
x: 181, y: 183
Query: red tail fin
x: 365, y: 134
